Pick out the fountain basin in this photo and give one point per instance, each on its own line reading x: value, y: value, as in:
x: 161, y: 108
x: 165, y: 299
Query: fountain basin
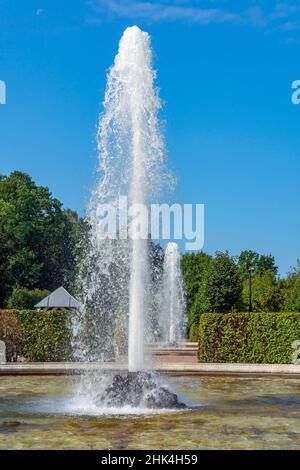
x: 41, y: 412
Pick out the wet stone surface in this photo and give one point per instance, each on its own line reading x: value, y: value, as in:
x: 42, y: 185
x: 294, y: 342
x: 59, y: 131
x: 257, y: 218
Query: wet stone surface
x: 138, y: 389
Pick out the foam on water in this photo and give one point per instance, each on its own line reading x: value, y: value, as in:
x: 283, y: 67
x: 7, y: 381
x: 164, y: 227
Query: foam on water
x: 81, y: 405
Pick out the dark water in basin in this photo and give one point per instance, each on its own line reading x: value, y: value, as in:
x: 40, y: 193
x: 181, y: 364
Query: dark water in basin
x: 233, y: 413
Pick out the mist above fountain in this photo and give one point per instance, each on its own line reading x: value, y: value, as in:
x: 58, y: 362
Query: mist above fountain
x: 115, y: 279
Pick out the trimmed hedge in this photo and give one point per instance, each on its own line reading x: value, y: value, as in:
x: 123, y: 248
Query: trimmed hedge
x: 11, y: 332
x: 38, y: 335
x: 248, y: 337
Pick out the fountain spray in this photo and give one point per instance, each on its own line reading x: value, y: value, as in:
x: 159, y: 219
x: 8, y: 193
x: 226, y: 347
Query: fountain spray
x: 115, y: 273
x: 115, y: 279
x: 172, y: 299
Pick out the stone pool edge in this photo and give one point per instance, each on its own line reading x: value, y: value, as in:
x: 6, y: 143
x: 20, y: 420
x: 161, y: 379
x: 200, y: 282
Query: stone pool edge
x: 226, y: 369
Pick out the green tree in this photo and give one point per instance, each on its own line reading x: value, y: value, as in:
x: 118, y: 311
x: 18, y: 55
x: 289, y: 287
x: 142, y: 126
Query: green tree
x: 247, y: 258
x: 37, y: 236
x: 265, y: 293
x: 213, y: 284
x: 259, y: 263
x: 292, y: 302
x: 266, y: 263
x: 200, y: 305
x: 223, y: 285
x: 290, y: 290
x: 193, y: 268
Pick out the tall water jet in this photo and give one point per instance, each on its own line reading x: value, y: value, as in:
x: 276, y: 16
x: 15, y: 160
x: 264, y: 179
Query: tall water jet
x: 115, y: 273
x: 135, y: 47
x: 172, y: 299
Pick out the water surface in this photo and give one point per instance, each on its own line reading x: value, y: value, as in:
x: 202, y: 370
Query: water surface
x: 232, y: 413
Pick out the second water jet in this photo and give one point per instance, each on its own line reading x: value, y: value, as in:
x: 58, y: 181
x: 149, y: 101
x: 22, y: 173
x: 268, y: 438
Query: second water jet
x: 172, y: 305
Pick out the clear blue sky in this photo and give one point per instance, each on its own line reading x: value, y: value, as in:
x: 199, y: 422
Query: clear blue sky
x: 225, y: 75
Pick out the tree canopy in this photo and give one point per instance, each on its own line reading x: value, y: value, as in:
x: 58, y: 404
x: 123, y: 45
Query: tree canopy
x: 265, y: 293
x: 222, y: 286
x: 259, y: 263
x: 37, y: 236
x: 39, y: 246
x: 193, y: 269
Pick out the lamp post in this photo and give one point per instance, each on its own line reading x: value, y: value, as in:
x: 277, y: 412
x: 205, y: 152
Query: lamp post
x: 250, y: 271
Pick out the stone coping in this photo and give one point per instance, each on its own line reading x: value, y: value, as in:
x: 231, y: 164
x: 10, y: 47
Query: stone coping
x: 69, y: 368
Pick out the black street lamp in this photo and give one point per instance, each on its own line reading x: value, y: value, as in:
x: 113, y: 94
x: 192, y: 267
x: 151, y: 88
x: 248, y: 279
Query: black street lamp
x: 250, y: 271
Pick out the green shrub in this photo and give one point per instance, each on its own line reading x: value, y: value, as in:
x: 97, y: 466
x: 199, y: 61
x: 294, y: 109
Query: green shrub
x: 193, y: 333
x: 248, y: 337
x: 38, y: 335
x: 25, y: 298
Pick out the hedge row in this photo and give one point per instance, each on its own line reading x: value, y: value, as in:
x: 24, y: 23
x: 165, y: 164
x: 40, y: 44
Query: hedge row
x: 248, y: 337
x: 36, y: 335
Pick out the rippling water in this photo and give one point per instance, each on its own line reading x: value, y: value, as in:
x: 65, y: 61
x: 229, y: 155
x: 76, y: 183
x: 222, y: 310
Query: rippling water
x: 230, y: 413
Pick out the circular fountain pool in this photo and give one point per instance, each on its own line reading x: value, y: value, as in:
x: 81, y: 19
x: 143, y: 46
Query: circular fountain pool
x: 230, y: 413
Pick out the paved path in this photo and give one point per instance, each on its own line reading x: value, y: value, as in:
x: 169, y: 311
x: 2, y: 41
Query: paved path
x: 170, y: 361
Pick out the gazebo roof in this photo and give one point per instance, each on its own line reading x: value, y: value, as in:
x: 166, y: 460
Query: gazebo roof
x: 60, y: 298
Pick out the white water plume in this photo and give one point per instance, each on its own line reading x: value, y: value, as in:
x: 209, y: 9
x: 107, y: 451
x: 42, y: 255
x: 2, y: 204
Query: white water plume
x: 115, y: 276
x: 172, y: 299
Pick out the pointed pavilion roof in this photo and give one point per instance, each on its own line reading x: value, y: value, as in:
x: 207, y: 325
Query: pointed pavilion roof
x: 60, y: 298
